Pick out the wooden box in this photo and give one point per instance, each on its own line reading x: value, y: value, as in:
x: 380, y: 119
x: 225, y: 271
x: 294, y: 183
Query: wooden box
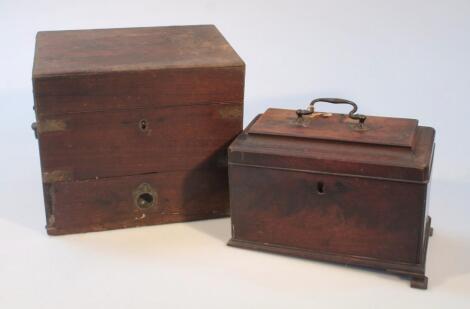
x: 348, y: 189
x: 134, y: 124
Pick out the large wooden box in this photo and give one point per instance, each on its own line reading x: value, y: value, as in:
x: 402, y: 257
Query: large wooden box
x: 134, y: 124
x: 333, y: 187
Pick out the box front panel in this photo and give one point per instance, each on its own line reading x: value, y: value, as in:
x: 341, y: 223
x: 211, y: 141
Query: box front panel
x: 140, y: 89
x: 78, y: 146
x: 94, y: 205
x: 327, y: 213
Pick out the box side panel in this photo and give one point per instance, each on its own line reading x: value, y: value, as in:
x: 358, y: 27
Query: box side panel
x: 327, y: 214
x: 139, y: 89
x: 94, y: 205
x: 120, y: 143
x: 426, y: 217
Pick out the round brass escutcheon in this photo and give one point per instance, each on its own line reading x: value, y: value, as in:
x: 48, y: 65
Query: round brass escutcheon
x: 145, y: 196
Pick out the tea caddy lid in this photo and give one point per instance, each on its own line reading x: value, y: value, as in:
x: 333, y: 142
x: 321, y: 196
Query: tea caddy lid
x: 337, y: 144
x: 352, y: 128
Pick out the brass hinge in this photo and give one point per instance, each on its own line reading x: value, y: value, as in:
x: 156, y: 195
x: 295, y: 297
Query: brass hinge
x: 53, y: 125
x: 56, y: 176
x: 34, y: 126
x: 231, y: 111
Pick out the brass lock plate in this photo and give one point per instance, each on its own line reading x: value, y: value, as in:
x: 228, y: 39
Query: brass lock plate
x: 145, y: 196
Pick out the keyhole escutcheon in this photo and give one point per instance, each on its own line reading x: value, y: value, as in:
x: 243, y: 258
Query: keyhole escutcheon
x: 143, y: 125
x: 320, y: 187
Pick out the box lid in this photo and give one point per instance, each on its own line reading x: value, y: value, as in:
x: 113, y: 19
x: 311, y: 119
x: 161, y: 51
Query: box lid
x: 378, y: 147
x: 337, y: 127
x: 102, y: 69
x: 72, y: 52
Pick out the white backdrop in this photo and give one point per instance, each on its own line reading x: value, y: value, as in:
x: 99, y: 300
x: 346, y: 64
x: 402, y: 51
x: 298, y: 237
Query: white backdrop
x: 394, y: 58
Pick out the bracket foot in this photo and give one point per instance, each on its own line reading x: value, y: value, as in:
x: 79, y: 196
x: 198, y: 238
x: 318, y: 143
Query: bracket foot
x: 419, y: 282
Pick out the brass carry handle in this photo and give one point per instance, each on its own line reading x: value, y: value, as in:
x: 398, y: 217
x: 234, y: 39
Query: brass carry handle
x: 352, y: 113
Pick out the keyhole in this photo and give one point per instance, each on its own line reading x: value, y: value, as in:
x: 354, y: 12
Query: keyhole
x: 320, y: 187
x: 143, y: 125
x: 145, y: 200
